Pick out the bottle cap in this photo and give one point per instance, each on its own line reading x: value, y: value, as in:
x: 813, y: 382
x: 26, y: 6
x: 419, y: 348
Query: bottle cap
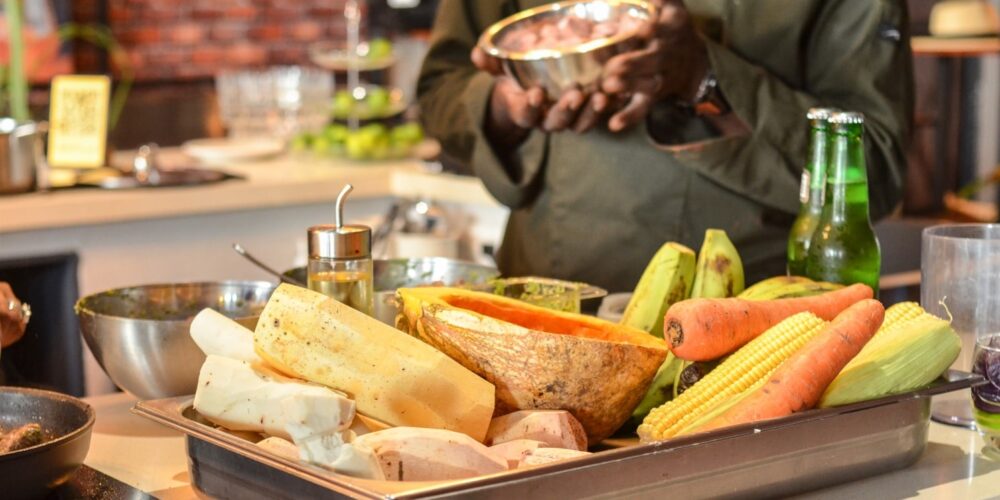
x: 821, y: 113
x: 847, y: 118
x: 339, y: 240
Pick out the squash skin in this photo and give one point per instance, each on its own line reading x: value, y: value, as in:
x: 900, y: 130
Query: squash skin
x: 599, y: 381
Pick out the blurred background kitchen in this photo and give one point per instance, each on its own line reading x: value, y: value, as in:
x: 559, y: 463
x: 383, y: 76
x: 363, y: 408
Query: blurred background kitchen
x: 202, y: 80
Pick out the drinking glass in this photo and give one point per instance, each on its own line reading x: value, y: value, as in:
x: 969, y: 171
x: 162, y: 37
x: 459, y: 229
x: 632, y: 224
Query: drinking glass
x: 276, y: 102
x: 960, y: 280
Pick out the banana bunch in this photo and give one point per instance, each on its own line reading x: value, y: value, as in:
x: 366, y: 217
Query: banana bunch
x: 786, y: 287
x: 674, y: 274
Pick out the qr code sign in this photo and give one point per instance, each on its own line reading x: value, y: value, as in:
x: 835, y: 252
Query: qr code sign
x: 80, y: 106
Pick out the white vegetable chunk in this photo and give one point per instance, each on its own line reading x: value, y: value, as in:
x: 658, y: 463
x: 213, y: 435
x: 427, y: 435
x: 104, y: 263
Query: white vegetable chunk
x: 423, y: 454
x: 238, y: 396
x: 281, y: 447
x: 555, y: 428
x: 357, y: 461
x: 216, y: 334
x: 542, y: 456
x: 515, y: 451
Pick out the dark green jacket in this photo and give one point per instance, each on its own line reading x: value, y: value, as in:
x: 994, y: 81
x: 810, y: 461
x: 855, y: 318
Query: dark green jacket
x: 595, y: 207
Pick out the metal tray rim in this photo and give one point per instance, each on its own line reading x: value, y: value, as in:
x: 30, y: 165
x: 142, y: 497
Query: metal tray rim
x: 169, y: 412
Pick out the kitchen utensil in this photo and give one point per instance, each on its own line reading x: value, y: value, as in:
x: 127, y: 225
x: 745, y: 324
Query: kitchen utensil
x: 66, y: 422
x: 390, y: 274
x: 268, y: 269
x: 232, y: 149
x: 960, y: 280
x: 22, y: 156
x: 145, y: 173
x: 773, y: 458
x: 556, y: 70
x: 140, y: 336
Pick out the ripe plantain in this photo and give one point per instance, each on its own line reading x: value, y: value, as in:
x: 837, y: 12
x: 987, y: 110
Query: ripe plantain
x: 720, y: 271
x: 667, y: 279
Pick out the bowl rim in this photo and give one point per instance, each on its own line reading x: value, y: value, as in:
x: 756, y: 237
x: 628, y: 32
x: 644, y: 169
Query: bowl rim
x: 486, y: 39
x: 81, y: 308
x: 65, y: 438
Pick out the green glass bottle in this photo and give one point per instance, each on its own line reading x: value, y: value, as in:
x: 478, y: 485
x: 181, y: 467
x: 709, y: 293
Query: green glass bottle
x: 844, y: 248
x: 810, y: 190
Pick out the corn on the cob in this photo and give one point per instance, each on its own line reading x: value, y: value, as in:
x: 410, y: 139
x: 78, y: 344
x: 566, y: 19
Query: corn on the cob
x: 900, y: 312
x: 909, y: 354
x: 747, y: 366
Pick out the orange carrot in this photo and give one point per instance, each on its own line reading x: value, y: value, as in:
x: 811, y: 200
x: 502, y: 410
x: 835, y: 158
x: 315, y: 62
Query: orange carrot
x: 707, y: 329
x: 799, y: 382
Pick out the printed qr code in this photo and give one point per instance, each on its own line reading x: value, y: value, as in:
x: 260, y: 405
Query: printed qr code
x: 79, y: 111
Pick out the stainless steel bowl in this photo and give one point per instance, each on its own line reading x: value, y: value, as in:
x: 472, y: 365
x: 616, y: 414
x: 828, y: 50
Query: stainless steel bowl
x: 390, y: 274
x: 556, y: 70
x: 140, y: 335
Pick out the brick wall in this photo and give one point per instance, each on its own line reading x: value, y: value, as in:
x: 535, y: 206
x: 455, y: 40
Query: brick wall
x: 193, y: 39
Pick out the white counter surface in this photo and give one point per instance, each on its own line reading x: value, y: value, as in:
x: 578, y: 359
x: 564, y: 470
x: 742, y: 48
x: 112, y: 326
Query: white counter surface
x: 152, y: 458
x: 283, y: 181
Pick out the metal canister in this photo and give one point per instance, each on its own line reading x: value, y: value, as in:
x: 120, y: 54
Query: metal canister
x: 340, y: 260
x: 22, y: 156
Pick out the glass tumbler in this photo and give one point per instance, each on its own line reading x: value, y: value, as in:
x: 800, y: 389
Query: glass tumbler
x: 960, y: 280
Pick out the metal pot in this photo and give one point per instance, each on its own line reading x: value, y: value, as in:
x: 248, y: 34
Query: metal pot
x: 22, y: 155
x: 67, y: 421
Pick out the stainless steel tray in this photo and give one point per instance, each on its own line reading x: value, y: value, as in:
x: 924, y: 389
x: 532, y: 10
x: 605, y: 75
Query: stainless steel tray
x: 802, y: 452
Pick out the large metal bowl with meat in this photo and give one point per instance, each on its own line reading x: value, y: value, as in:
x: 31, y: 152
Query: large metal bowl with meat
x: 565, y: 44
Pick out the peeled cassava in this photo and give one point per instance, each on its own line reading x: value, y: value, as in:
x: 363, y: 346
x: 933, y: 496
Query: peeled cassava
x: 539, y: 358
x: 392, y: 377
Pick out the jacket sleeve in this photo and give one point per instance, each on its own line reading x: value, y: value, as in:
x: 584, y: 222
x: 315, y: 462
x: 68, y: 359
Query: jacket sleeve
x: 857, y: 57
x: 454, y: 98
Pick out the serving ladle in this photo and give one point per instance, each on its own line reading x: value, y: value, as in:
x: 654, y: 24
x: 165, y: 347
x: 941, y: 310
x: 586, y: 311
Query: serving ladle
x: 287, y: 279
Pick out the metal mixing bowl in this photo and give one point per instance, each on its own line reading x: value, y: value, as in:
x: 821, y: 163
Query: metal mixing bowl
x: 140, y: 335
x: 390, y: 274
x: 556, y: 70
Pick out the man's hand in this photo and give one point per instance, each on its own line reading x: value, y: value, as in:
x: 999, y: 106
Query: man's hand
x: 11, y: 322
x: 671, y: 64
x: 514, y: 111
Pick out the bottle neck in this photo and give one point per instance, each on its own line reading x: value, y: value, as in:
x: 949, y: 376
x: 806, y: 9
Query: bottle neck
x: 847, y: 179
x: 814, y: 178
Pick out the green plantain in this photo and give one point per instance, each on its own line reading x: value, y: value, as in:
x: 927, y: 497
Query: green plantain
x: 667, y: 279
x: 786, y: 287
x: 719, y: 272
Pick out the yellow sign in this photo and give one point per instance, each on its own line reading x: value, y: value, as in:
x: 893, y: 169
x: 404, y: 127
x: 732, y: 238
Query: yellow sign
x: 78, y: 121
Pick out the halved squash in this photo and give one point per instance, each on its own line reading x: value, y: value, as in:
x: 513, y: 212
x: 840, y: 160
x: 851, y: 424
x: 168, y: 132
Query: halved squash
x: 538, y: 358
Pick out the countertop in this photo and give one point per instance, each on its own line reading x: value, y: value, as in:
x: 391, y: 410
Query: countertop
x: 289, y: 179
x: 153, y: 458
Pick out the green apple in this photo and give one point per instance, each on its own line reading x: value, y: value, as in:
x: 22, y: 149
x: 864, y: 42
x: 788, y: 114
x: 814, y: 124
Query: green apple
x: 301, y: 142
x: 321, y: 144
x: 343, y: 103
x: 408, y: 133
x: 377, y: 101
x: 336, y: 132
x: 379, y: 48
